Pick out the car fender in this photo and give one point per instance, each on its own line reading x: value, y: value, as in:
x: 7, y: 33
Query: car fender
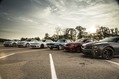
x: 45, y: 44
x: 39, y: 44
x: 109, y: 46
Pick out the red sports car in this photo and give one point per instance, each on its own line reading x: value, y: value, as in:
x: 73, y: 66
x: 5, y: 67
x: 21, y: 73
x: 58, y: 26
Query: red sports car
x: 76, y: 46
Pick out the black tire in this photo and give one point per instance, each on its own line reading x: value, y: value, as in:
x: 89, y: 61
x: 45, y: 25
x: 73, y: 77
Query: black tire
x: 27, y: 45
x: 5, y: 46
x: 78, y: 49
x: 59, y: 47
x: 51, y: 48
x: 19, y: 46
x: 14, y: 44
x: 42, y: 46
x: 108, y: 53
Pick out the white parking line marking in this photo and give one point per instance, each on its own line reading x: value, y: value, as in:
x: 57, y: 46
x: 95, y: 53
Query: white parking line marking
x: 7, y: 55
x: 113, y: 62
x: 53, y: 72
x: 0, y: 77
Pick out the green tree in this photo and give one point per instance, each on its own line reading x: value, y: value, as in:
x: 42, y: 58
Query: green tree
x: 116, y: 31
x: 80, y: 30
x: 46, y: 36
x: 71, y: 32
x: 23, y: 39
x: 37, y: 38
x: 58, y: 31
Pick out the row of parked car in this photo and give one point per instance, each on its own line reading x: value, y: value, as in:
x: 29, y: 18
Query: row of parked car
x: 106, y: 48
x: 26, y: 43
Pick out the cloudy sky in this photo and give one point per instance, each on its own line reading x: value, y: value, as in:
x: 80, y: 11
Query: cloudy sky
x: 32, y: 18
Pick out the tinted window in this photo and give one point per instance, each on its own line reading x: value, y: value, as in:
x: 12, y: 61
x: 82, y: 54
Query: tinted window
x: 116, y: 39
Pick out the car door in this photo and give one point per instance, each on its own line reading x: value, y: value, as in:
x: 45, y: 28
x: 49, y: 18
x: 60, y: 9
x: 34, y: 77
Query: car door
x: 116, y: 45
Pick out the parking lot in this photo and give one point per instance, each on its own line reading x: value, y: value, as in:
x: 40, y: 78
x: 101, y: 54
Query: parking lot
x: 26, y: 63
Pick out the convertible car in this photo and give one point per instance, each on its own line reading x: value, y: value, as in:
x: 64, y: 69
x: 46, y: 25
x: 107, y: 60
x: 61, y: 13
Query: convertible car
x: 106, y: 48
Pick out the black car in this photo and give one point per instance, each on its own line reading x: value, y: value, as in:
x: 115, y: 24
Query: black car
x: 106, y: 48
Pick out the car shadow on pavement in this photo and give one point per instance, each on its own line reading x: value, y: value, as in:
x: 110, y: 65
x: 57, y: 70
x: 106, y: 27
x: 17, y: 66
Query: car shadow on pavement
x: 91, y: 57
x: 55, y: 49
x: 70, y: 52
x: 98, y: 58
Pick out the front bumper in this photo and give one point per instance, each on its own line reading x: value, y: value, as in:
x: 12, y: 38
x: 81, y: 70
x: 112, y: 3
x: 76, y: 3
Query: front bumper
x: 92, y: 52
x: 53, y: 46
x: 20, y: 45
x: 97, y: 52
x: 87, y: 51
x: 35, y: 46
x: 68, y: 48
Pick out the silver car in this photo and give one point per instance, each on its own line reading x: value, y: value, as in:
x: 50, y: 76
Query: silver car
x: 25, y: 43
x: 11, y: 43
x: 40, y: 44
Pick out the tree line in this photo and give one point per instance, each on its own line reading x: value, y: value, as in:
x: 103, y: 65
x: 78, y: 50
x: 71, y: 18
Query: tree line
x: 75, y: 33
x: 79, y: 32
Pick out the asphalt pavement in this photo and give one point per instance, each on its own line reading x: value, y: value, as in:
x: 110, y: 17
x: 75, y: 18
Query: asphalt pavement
x: 26, y: 63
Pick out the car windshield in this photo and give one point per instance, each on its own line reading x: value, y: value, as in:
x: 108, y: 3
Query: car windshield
x: 110, y: 39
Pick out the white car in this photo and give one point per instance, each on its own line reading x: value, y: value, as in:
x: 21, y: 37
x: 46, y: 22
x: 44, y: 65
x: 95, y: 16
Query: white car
x: 40, y: 44
x: 25, y: 43
x: 11, y: 43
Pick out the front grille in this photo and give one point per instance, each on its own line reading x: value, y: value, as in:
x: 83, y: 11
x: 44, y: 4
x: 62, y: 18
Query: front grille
x: 21, y: 43
x: 33, y: 46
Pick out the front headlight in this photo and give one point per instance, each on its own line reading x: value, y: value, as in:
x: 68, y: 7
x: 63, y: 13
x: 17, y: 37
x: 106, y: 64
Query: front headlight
x: 98, y: 46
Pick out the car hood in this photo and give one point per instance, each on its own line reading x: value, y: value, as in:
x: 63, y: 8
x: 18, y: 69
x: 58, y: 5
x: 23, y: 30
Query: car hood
x: 56, y: 43
x: 51, y: 43
x: 89, y: 43
x: 104, y: 43
x: 97, y: 43
x: 75, y: 43
x: 38, y: 42
x: 22, y: 41
x: 8, y: 42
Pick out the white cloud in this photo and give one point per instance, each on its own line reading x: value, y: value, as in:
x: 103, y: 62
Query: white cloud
x: 44, y: 16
